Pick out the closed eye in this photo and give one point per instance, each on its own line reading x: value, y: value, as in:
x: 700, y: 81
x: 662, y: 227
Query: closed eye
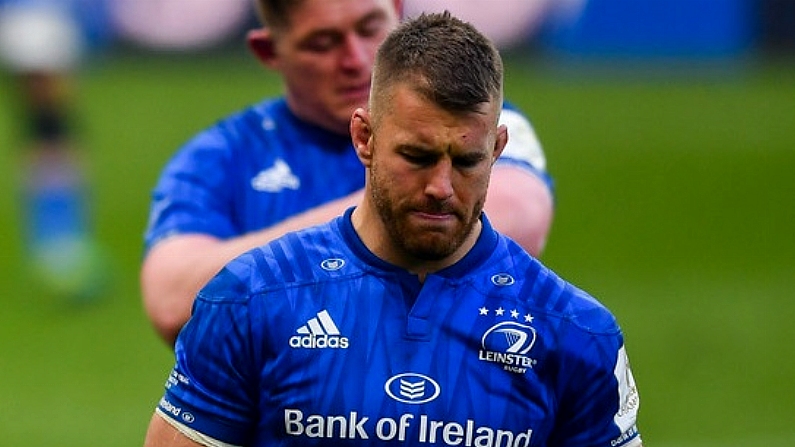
x: 469, y: 161
x: 322, y: 42
x: 420, y: 159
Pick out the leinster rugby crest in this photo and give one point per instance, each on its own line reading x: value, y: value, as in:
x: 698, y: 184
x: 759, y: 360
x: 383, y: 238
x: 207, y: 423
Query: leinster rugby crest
x: 508, y: 343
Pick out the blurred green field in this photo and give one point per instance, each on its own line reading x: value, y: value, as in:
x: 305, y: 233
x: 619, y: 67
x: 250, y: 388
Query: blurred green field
x: 676, y: 208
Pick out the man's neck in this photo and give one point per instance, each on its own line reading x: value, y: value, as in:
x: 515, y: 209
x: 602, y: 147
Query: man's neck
x: 374, y: 236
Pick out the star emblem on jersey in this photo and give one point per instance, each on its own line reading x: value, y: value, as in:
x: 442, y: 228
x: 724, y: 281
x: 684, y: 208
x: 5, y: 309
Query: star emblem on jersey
x: 508, y: 343
x: 527, y: 318
x: 276, y: 178
x: 320, y: 332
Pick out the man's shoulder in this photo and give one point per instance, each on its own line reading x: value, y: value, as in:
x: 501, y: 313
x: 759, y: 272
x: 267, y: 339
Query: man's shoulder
x: 270, y: 123
x: 262, y: 115
x: 548, y: 293
x: 238, y: 132
x: 302, y: 257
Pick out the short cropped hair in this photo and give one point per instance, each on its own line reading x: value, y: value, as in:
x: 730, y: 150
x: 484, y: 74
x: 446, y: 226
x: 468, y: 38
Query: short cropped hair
x: 446, y: 60
x: 276, y: 13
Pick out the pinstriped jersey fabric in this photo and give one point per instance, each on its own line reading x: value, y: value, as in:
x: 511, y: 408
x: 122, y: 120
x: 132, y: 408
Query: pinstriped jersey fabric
x: 312, y: 340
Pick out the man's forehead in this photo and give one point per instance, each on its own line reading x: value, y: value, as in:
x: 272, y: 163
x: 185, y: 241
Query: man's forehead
x: 412, y: 95
x: 321, y: 13
x: 410, y: 120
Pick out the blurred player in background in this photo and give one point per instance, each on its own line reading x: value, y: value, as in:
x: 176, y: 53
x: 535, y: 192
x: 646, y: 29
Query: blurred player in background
x: 287, y: 163
x: 42, y: 44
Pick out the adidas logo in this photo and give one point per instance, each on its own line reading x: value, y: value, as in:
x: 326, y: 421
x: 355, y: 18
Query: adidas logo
x: 318, y: 333
x: 276, y: 178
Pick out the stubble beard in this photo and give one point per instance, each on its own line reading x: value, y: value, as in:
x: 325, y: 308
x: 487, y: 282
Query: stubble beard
x: 419, y: 243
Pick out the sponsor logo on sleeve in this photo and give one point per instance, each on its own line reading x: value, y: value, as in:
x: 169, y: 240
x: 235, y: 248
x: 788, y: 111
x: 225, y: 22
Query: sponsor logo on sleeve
x: 166, y: 406
x: 628, y: 397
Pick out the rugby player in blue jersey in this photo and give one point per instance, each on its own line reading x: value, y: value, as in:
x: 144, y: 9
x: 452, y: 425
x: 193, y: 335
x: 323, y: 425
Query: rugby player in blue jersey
x: 43, y: 44
x: 287, y: 163
x: 408, y: 320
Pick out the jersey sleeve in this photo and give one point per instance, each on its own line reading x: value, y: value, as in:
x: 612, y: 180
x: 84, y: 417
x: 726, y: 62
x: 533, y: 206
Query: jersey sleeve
x: 193, y: 192
x: 599, y: 399
x: 524, y: 148
x: 212, y: 390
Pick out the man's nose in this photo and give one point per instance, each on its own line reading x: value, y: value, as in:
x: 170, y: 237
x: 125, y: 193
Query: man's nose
x: 355, y: 53
x: 440, y: 184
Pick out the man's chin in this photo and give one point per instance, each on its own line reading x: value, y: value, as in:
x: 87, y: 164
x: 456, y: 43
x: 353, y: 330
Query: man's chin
x: 431, y: 247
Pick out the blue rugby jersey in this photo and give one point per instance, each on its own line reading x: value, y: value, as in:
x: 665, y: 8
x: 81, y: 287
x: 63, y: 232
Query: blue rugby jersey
x: 262, y: 165
x: 312, y: 340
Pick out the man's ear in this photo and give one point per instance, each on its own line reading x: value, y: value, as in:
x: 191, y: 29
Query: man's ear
x: 361, y: 135
x: 260, y: 42
x: 500, y: 142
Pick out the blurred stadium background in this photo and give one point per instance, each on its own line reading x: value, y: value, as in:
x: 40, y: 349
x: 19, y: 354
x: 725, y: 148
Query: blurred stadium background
x: 668, y: 126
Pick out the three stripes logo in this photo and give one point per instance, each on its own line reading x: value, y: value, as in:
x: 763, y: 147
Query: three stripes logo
x: 318, y: 333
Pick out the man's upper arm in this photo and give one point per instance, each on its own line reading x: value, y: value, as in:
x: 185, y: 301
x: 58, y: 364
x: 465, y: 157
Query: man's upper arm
x: 193, y: 192
x: 162, y: 434
x: 520, y: 200
x: 520, y: 205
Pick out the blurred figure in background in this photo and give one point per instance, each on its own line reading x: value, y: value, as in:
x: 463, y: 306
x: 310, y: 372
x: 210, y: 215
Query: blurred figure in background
x: 42, y: 44
x: 179, y: 25
x: 286, y: 163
